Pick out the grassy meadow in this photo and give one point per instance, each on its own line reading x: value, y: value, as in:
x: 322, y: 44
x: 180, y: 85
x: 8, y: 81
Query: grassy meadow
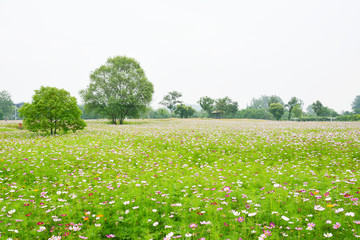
x: 185, y: 179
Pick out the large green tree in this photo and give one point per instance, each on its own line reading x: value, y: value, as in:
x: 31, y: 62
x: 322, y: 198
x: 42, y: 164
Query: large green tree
x: 277, y: 110
x: 292, y: 104
x: 207, y: 104
x: 227, y: 106
x: 184, y: 111
x: 355, y: 105
x: 317, y: 107
x: 118, y: 89
x: 6, y: 105
x: 52, y: 109
x: 171, y: 99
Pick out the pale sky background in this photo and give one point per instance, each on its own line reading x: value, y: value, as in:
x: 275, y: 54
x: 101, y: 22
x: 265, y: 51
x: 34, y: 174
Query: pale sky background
x: 241, y: 49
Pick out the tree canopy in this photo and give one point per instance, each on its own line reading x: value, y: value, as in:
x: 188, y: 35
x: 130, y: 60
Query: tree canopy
x: 171, y: 100
x: 355, y: 105
x: 52, y: 109
x: 118, y: 89
x: 6, y: 105
x: 277, y: 110
x: 207, y: 104
x: 317, y: 107
x: 292, y: 104
x: 184, y: 111
x: 226, y: 105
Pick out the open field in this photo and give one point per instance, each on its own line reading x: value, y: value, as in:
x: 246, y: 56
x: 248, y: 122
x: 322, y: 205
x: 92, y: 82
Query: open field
x: 186, y: 179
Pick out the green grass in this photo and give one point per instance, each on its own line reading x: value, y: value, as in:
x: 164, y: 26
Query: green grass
x: 151, y: 178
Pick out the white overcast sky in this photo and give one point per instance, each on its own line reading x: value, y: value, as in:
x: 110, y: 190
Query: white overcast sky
x: 241, y: 49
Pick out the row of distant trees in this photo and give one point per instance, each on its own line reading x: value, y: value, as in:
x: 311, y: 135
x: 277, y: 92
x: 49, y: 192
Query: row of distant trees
x: 264, y: 107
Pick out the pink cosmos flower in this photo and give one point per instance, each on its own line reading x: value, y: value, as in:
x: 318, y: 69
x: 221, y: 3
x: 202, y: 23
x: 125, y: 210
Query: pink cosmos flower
x: 110, y: 236
x: 193, y: 225
x: 337, y: 225
x: 240, y: 219
x: 311, y: 225
x: 226, y: 189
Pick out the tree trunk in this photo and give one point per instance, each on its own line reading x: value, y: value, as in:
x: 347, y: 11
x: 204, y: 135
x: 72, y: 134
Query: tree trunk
x: 121, y: 120
x: 51, y: 133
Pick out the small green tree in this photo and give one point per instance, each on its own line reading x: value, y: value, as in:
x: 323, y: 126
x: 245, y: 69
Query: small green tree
x: 207, y: 104
x: 171, y: 99
x: 52, y: 109
x: 277, y: 110
x: 6, y: 105
x: 184, y: 111
x: 293, y: 103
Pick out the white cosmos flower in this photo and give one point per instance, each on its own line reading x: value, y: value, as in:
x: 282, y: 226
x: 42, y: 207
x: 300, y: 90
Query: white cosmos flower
x: 285, y: 218
x: 319, y: 208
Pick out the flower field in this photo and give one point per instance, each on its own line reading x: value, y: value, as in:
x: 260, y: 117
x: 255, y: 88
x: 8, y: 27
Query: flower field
x: 185, y: 179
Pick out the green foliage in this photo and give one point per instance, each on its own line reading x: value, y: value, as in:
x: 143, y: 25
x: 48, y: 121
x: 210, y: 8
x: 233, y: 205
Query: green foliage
x: 297, y: 111
x: 118, y: 89
x: 355, y: 105
x: 251, y: 113
x: 277, y: 110
x: 6, y: 105
x: 159, y: 113
x: 171, y: 99
x: 264, y: 101
x: 207, y: 104
x: 227, y: 106
x: 184, y: 111
x: 52, y: 109
x: 88, y: 114
x: 317, y: 107
x: 292, y: 104
x: 348, y: 118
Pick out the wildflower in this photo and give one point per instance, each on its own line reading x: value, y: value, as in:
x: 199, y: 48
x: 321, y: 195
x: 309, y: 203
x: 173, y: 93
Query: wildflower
x: 252, y: 214
x: 155, y: 224
x: 240, y: 219
x: 40, y: 223
x: 337, y: 225
x: 351, y: 214
x: 339, y: 210
x: 193, y: 225
x: 327, y: 235
x: 41, y: 229
x: 205, y: 222
x: 328, y: 221
x: 357, y: 222
x: 97, y: 224
x: 285, y: 218
x: 110, y: 236
x: 82, y: 237
x: 311, y: 224
x: 55, y: 237
x: 319, y: 208
x: 188, y: 235
x: 226, y: 189
x: 267, y: 233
